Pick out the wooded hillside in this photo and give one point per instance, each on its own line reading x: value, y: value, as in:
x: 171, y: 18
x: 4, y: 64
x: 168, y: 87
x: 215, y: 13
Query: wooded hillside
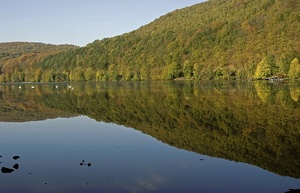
x: 18, y: 59
x: 217, y: 39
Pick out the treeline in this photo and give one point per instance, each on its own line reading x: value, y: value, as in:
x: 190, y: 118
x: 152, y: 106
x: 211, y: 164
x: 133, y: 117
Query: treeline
x: 251, y: 122
x: 214, y: 40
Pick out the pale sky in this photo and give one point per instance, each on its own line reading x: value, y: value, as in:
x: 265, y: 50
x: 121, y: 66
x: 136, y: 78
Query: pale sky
x: 78, y: 22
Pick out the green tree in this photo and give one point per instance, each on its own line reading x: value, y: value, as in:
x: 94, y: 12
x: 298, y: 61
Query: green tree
x: 145, y: 72
x: 2, y: 78
x: 284, y: 63
x: 173, y: 71
x: 242, y: 73
x: 48, y: 76
x: 77, y: 74
x: 90, y: 74
x: 21, y: 76
x: 196, y: 71
x: 101, y: 75
x: 38, y: 75
x: 187, y: 69
x: 15, y: 78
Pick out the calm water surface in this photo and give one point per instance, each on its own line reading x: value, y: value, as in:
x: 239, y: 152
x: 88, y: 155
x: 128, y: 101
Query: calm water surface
x: 150, y: 137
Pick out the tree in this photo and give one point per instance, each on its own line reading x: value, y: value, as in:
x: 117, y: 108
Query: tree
x: 173, y: 71
x: 145, y: 71
x: 263, y: 69
x: 294, y: 71
x: 90, y: 74
x: 77, y: 74
x: 284, y: 63
x: 187, y: 69
x: 48, y: 76
x: 38, y: 75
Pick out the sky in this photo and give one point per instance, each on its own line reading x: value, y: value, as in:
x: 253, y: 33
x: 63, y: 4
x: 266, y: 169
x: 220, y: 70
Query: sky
x: 78, y: 22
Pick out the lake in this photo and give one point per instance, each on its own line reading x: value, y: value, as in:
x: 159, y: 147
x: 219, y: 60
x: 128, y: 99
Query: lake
x: 177, y: 136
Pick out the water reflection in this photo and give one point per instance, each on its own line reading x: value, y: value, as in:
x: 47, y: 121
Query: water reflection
x: 255, y: 123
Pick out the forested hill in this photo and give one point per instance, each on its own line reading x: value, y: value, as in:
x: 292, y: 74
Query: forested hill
x: 217, y: 39
x: 19, y: 58
x: 14, y: 49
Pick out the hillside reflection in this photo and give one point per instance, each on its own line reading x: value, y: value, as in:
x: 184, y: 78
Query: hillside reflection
x: 256, y: 122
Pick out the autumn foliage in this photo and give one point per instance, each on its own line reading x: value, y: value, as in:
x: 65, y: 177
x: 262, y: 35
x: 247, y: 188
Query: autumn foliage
x: 214, y: 40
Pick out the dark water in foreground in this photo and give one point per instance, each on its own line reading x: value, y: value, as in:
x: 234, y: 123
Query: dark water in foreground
x: 150, y: 137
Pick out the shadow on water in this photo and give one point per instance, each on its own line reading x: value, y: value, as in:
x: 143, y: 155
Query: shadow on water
x: 255, y: 123
x: 293, y: 191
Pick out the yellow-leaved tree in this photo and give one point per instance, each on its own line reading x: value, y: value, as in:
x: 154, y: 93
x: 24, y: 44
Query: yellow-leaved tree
x: 263, y: 69
x: 294, y: 71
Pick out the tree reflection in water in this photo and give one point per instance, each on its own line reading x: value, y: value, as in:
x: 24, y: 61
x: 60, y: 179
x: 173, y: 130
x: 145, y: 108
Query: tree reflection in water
x: 253, y: 122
